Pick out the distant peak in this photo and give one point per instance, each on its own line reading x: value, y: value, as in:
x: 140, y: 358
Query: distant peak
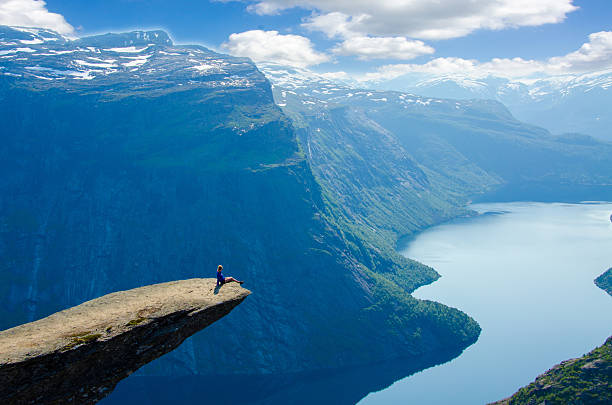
x: 29, y: 35
x: 134, y: 38
x: 124, y: 39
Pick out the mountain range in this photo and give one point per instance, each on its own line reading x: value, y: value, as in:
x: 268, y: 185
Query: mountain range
x: 477, y: 144
x: 577, y: 103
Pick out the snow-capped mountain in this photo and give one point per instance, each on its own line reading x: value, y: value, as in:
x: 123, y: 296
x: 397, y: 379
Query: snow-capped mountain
x: 312, y: 91
x: 562, y: 104
x: 303, y: 82
x: 43, y: 57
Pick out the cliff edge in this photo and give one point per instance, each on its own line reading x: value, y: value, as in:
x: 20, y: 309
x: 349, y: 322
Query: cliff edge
x: 78, y: 355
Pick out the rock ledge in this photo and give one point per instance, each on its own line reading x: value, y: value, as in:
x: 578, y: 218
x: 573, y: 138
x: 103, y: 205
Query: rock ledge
x: 78, y: 355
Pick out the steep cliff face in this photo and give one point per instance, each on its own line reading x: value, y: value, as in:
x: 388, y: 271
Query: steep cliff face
x: 127, y: 160
x: 78, y: 355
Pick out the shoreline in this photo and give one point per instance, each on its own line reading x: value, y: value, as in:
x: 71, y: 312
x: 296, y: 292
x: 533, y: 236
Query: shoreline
x: 485, y: 317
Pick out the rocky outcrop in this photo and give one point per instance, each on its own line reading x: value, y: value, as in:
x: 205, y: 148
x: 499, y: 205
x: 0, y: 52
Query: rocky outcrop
x: 78, y: 355
x: 604, y: 281
x: 585, y: 380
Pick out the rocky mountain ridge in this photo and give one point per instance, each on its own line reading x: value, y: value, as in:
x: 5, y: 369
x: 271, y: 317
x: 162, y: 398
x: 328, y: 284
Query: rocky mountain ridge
x: 148, y: 58
x: 561, y: 104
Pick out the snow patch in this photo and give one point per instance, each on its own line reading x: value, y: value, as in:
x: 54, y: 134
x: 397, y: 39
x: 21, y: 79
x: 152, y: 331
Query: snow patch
x: 34, y: 41
x: 61, y: 52
x: 127, y: 49
x: 136, y: 62
x: 16, y: 50
x: 203, y: 67
x: 98, y: 65
x: 102, y: 60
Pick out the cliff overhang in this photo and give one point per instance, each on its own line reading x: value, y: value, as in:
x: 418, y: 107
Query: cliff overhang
x: 78, y: 355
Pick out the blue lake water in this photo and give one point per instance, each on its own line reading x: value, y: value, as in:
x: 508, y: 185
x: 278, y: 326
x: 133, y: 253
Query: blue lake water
x: 525, y: 272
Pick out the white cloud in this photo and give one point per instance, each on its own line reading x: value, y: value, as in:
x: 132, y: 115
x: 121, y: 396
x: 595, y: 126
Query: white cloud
x: 425, y: 19
x: 592, y: 56
x: 516, y: 67
x: 32, y: 13
x: 595, y: 54
x: 383, y: 48
x: 334, y: 24
x: 270, y: 46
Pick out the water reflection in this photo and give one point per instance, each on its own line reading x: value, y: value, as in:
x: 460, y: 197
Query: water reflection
x: 346, y: 386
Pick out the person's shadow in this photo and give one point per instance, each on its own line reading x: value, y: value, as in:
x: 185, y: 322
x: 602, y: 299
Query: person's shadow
x: 217, y: 288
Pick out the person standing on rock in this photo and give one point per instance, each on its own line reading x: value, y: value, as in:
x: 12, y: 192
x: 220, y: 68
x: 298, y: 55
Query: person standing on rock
x: 222, y: 280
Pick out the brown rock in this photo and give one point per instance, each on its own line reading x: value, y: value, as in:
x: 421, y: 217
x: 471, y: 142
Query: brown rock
x: 78, y: 355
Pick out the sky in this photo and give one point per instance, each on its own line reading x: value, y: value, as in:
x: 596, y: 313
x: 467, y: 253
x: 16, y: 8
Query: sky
x: 364, y: 40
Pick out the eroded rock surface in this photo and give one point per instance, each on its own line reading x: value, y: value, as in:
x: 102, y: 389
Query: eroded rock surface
x: 78, y: 355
